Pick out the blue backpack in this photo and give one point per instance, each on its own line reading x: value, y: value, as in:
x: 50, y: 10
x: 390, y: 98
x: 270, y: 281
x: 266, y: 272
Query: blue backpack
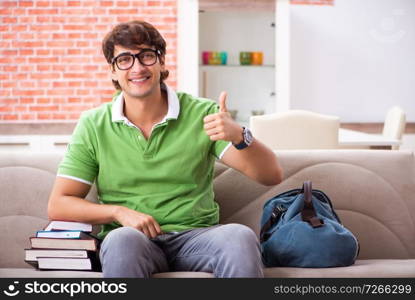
x: 300, y: 228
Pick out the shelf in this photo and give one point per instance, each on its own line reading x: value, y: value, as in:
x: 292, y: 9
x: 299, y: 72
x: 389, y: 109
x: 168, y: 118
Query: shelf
x: 238, y: 66
x: 249, y: 87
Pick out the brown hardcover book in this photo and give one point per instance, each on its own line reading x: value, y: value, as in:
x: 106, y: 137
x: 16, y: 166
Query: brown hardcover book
x: 84, y: 243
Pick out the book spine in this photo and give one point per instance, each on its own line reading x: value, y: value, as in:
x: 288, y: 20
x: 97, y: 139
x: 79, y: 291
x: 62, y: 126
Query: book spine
x: 33, y: 263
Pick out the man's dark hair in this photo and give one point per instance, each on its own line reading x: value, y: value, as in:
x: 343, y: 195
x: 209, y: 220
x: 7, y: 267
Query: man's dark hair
x: 131, y: 35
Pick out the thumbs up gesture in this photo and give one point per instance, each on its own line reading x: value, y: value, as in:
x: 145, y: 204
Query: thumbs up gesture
x: 222, y: 102
x: 221, y: 126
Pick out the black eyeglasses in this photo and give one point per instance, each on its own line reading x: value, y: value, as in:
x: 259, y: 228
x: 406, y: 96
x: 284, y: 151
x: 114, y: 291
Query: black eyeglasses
x: 146, y: 57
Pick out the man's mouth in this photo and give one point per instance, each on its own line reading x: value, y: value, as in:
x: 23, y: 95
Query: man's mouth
x: 139, y: 80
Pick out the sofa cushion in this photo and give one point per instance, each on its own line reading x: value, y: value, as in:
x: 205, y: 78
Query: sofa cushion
x: 16, y: 231
x: 370, y: 268
x: 31, y: 272
x: 25, y: 192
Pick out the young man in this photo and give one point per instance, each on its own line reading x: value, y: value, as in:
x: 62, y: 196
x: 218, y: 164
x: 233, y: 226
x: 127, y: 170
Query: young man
x: 151, y: 153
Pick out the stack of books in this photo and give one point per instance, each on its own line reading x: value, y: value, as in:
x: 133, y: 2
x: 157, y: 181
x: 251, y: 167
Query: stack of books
x: 64, y: 246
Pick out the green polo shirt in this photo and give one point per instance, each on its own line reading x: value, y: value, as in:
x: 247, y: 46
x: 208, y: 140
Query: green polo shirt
x: 169, y: 176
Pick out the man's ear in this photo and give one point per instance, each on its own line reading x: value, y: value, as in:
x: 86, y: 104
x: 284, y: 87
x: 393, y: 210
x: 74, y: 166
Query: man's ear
x: 113, y: 73
x: 162, y: 59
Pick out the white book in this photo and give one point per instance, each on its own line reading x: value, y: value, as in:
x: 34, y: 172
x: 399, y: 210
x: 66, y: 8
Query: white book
x: 33, y: 254
x: 65, y: 225
x: 50, y: 263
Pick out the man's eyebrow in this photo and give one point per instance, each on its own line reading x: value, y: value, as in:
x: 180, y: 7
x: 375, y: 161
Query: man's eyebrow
x: 139, y: 49
x: 123, y: 53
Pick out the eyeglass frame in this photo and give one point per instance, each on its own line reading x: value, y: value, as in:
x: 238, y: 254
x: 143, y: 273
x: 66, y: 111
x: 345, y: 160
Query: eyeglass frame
x: 136, y: 56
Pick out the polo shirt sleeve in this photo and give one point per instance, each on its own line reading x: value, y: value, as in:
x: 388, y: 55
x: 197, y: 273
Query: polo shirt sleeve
x: 218, y: 148
x: 79, y: 162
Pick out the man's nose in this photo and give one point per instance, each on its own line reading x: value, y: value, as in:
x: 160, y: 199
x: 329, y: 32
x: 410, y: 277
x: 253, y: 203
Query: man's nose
x: 137, y: 66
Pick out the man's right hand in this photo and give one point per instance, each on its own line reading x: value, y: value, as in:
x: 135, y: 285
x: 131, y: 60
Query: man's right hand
x: 131, y: 218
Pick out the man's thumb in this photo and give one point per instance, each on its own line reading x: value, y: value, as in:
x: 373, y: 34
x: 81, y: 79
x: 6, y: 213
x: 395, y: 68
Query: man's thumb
x: 222, y: 102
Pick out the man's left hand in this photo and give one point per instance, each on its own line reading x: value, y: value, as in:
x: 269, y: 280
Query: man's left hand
x: 221, y: 126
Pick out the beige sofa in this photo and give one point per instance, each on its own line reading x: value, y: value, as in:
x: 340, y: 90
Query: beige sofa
x: 372, y: 190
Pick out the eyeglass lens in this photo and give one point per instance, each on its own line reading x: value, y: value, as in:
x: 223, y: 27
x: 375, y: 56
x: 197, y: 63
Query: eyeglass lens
x: 146, y: 58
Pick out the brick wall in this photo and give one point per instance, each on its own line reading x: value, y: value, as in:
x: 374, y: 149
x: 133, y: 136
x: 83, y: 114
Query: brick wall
x: 51, y: 64
x: 252, y: 5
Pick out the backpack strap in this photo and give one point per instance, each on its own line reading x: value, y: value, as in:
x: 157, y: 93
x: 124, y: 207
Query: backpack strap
x: 308, y: 213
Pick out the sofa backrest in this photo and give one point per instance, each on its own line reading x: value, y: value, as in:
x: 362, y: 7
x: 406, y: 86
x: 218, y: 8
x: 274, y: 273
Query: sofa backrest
x: 26, y: 180
x: 372, y: 191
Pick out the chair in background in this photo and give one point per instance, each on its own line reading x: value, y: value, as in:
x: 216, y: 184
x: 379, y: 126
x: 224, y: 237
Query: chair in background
x: 296, y: 129
x: 394, y: 125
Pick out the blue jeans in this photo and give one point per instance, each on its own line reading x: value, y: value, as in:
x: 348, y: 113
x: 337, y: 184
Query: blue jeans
x: 230, y: 250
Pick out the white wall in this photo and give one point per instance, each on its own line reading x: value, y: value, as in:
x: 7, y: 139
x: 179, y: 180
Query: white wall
x: 354, y: 59
x: 283, y: 55
x: 187, y: 46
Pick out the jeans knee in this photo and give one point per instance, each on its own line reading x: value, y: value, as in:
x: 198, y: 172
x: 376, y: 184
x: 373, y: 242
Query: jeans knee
x: 124, y: 238
x: 239, y: 234
x: 241, y: 245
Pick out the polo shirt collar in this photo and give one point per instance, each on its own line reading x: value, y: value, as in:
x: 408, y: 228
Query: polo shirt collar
x: 172, y: 111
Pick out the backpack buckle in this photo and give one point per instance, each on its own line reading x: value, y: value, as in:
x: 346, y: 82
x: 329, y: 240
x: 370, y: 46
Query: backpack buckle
x: 277, y: 212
